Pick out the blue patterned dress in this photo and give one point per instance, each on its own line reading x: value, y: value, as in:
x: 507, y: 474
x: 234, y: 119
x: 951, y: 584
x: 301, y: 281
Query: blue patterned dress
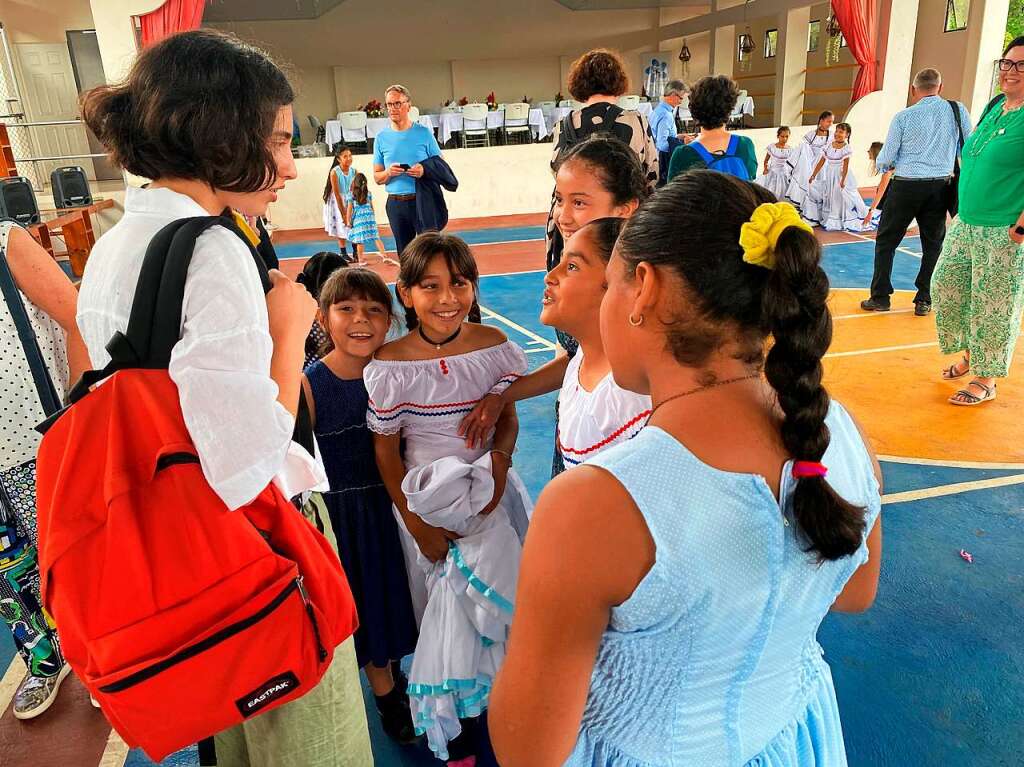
x: 360, y: 510
x: 713, y: 660
x: 364, y: 222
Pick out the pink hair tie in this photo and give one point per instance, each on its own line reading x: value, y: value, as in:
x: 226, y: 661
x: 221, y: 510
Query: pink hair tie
x: 805, y: 469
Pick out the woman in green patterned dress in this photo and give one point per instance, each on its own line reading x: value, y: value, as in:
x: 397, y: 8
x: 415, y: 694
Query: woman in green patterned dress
x: 978, y: 286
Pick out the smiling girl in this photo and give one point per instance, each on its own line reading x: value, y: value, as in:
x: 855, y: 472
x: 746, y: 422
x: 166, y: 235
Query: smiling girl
x: 421, y: 386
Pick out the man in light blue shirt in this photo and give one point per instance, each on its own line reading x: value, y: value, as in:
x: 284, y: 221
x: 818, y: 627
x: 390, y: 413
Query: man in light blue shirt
x: 923, y: 145
x: 398, y: 154
x: 663, y: 125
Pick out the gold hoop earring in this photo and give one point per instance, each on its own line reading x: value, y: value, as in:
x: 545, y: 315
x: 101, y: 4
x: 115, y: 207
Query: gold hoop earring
x: 636, y: 323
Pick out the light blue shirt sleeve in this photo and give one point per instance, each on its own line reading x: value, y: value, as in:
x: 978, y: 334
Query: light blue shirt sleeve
x: 890, y: 150
x: 965, y: 120
x: 664, y: 129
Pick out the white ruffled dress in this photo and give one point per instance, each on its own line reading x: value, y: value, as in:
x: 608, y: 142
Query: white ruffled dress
x: 469, y: 597
x: 590, y: 422
x: 780, y: 172
x: 831, y: 206
x: 803, y: 160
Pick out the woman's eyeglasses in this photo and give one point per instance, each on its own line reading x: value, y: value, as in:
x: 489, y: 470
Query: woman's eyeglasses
x: 1005, y: 65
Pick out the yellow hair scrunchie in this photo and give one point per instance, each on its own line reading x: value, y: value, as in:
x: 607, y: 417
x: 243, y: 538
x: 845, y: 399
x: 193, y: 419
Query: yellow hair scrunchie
x: 760, y: 235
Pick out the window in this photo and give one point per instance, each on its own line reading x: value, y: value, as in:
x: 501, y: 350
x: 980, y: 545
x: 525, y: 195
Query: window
x: 957, y: 12
x: 813, y: 35
x: 771, y: 43
x: 842, y: 40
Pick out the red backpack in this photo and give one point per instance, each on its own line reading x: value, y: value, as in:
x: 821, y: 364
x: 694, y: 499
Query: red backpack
x: 181, y: 617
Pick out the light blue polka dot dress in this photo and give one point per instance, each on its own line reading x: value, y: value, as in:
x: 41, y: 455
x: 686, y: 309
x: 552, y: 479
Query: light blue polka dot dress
x: 713, y: 661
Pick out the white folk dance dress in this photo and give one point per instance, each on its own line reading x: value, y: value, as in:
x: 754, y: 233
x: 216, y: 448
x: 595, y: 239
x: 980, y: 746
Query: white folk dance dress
x: 830, y: 205
x: 780, y: 172
x: 425, y: 400
x: 334, y: 221
x: 803, y: 160
x: 470, y: 596
x: 590, y: 422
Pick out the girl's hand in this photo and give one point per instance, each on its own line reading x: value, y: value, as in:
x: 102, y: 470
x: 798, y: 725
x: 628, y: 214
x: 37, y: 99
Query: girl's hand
x: 432, y: 541
x: 811, y: 179
x: 867, y: 218
x: 842, y: 183
x: 290, y: 309
x: 477, y: 426
x: 500, y: 464
x: 1015, y: 236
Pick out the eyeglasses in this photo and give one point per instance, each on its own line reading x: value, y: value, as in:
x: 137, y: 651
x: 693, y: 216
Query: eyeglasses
x: 395, y: 104
x: 1005, y: 65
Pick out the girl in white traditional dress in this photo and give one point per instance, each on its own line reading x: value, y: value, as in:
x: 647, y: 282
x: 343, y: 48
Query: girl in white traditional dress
x: 338, y: 197
x: 420, y: 387
x: 806, y: 156
x: 595, y: 413
x: 833, y: 200
x: 778, y: 173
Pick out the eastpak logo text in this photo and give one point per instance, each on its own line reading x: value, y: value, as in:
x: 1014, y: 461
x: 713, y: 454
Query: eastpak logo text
x: 268, y: 692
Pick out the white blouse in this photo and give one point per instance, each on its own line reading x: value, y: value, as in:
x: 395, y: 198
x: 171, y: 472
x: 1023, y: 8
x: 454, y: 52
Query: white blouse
x: 590, y: 422
x: 221, y: 365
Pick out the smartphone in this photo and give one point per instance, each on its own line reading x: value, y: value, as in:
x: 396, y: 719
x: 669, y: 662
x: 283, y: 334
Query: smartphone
x: 404, y: 165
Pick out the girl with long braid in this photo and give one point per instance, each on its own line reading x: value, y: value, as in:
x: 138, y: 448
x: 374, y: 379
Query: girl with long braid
x: 677, y: 582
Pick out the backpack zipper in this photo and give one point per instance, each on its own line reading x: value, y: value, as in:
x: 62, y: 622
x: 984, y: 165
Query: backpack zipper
x: 224, y: 634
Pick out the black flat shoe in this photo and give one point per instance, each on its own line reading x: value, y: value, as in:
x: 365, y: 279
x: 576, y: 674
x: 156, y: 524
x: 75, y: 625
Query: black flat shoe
x: 922, y: 308
x: 395, y: 717
x: 871, y: 305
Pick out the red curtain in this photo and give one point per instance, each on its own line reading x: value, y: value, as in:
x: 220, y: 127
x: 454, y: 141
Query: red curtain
x: 171, y: 17
x: 858, y: 22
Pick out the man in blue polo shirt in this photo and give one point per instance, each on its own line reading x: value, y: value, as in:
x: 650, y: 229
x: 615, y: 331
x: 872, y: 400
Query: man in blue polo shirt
x: 398, y: 152
x: 663, y: 125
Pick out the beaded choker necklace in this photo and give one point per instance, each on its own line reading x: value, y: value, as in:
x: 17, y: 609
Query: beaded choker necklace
x: 438, y: 344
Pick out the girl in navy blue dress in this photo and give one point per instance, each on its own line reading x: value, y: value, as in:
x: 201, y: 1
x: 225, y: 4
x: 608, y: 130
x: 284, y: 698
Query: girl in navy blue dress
x: 356, y: 312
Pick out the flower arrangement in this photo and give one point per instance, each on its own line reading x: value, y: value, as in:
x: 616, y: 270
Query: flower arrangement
x: 463, y: 101
x: 373, y: 108
x: 559, y: 98
x: 492, y: 102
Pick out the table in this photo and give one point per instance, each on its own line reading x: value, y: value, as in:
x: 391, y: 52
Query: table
x: 450, y: 122
x: 333, y: 132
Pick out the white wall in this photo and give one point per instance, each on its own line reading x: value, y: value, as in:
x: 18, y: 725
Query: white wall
x: 314, y: 95
x: 44, y: 22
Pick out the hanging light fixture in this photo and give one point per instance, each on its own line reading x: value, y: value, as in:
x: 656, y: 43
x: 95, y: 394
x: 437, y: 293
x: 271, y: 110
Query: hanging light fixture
x: 832, y: 26
x: 835, y: 40
x: 684, y: 53
x: 746, y: 41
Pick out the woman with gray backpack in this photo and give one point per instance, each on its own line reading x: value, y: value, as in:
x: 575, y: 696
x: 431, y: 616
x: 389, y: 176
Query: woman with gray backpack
x: 40, y: 352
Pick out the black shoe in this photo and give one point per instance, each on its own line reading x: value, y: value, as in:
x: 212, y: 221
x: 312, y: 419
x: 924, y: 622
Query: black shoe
x: 922, y: 308
x: 395, y: 717
x: 874, y: 305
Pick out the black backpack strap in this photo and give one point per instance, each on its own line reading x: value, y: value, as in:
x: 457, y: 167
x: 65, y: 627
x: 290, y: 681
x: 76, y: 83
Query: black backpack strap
x: 989, y: 106
x: 33, y: 354
x: 959, y: 124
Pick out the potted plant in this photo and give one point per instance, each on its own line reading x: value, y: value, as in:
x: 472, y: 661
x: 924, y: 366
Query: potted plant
x: 492, y: 102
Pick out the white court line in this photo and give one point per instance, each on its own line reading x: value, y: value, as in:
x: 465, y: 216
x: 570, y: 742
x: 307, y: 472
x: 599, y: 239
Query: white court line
x: 878, y: 349
x: 863, y: 315
x: 10, y: 681
x: 954, y: 489
x: 868, y: 239
x: 492, y: 315
x: 115, y: 753
x: 949, y: 464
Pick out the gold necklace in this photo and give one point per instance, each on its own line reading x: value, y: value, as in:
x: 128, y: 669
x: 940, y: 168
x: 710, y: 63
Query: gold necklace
x: 698, y: 389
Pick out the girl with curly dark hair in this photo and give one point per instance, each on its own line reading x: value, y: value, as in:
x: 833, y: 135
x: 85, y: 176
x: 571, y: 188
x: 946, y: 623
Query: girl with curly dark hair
x: 712, y: 100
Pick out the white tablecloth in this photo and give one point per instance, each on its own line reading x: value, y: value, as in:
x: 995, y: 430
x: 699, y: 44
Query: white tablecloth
x: 333, y: 132
x: 450, y: 122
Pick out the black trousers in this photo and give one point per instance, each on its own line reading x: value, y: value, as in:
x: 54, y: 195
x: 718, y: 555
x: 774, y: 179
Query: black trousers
x: 402, y: 218
x: 904, y: 202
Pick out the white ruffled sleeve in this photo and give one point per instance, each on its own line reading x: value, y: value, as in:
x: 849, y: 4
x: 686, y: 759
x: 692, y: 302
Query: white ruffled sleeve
x: 385, y: 385
x: 512, y: 360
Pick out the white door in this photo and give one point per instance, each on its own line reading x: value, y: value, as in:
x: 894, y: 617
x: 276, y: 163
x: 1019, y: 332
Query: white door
x: 48, y: 92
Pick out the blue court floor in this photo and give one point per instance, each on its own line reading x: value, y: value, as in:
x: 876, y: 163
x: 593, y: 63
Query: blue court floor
x: 932, y: 674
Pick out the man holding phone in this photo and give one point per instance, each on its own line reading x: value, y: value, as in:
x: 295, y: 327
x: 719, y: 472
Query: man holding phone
x: 398, y: 154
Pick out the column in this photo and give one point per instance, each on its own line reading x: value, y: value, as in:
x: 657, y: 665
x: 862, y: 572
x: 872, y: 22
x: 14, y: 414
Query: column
x: 115, y: 33
x: 790, y: 66
x: 723, y: 51
x: 986, y: 26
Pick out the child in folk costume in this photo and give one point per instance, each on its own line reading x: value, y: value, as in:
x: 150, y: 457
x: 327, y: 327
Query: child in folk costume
x: 338, y: 197
x: 356, y: 313
x: 883, y: 184
x: 833, y: 200
x: 806, y: 156
x: 595, y: 413
x: 462, y: 510
x: 778, y: 173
